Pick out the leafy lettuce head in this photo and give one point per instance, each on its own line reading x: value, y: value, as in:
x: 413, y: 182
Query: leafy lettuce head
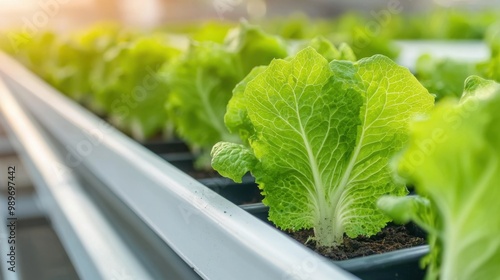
x: 320, y: 136
x: 453, y: 159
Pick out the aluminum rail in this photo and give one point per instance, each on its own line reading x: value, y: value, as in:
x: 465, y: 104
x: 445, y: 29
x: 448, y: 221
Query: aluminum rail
x: 91, y: 243
x: 216, y: 238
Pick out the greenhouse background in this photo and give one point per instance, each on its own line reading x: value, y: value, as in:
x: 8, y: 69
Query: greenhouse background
x: 249, y: 139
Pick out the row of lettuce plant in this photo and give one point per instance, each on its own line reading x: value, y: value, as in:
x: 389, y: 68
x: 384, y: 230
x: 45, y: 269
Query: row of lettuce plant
x: 372, y: 33
x: 125, y: 74
x: 316, y: 128
x: 444, y: 76
x: 150, y: 84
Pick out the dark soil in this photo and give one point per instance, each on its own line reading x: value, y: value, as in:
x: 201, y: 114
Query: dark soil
x: 391, y: 238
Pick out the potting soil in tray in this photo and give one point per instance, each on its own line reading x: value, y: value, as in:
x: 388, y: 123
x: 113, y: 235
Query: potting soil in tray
x: 391, y: 238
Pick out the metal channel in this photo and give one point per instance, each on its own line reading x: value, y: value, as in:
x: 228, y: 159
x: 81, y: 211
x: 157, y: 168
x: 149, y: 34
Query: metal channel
x: 215, y: 237
x: 90, y: 241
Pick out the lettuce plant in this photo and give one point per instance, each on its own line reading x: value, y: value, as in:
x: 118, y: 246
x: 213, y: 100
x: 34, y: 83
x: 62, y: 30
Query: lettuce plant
x: 201, y: 81
x: 444, y: 76
x: 318, y: 137
x: 453, y: 159
x: 74, y: 57
x: 126, y: 83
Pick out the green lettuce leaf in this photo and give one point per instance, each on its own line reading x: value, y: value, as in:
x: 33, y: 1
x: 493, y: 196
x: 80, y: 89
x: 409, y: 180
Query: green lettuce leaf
x: 200, y: 85
x: 128, y: 84
x: 453, y: 159
x: 76, y: 56
x: 236, y: 116
x: 254, y: 47
x: 320, y: 136
x: 423, y: 212
x: 443, y: 76
x: 201, y: 82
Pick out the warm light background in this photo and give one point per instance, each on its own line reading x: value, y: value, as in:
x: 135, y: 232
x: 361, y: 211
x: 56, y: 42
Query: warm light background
x: 69, y: 14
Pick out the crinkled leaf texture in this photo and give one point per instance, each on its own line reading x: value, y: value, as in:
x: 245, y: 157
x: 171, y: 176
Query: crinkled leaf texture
x: 453, y: 159
x: 321, y: 135
x: 201, y: 82
x: 128, y: 86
